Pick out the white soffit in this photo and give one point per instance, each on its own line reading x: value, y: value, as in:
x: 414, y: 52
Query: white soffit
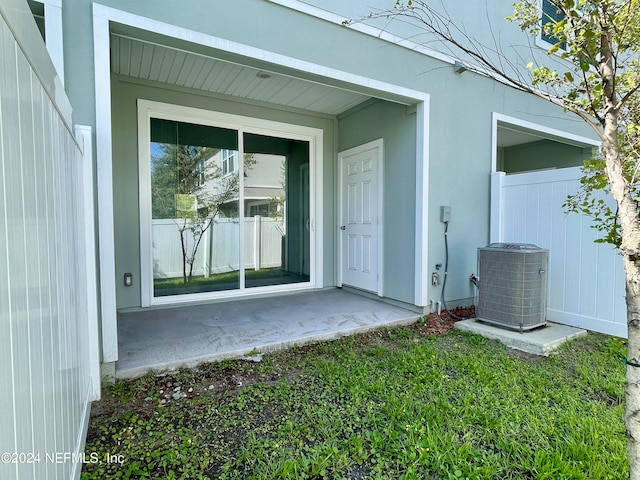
x: 156, y: 62
x: 512, y: 135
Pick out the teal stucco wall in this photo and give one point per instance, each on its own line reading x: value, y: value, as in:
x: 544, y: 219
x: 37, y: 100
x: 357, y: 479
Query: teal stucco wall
x: 542, y: 154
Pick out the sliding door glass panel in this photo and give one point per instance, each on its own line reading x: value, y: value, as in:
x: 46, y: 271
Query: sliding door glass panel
x: 195, y: 208
x: 276, y: 211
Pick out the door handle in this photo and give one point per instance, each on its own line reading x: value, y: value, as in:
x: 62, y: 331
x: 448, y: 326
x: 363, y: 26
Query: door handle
x: 343, y: 227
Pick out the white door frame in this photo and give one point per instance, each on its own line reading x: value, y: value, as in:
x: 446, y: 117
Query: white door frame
x: 379, y: 145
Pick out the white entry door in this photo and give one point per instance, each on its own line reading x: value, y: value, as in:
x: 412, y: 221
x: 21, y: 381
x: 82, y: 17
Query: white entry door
x: 361, y: 216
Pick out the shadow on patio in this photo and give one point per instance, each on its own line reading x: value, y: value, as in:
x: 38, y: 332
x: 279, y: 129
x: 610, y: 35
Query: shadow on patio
x: 167, y: 338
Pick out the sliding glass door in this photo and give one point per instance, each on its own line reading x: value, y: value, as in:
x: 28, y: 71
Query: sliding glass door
x: 194, y: 193
x: 276, y: 217
x: 229, y: 209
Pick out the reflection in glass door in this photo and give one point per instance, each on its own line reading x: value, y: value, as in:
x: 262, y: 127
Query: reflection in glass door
x: 220, y: 206
x: 194, y: 203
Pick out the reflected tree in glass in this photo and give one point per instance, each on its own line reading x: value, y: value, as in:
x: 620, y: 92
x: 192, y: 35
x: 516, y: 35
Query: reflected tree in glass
x: 189, y: 186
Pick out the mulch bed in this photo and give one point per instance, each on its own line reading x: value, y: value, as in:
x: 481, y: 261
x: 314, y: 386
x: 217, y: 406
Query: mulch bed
x: 443, y: 323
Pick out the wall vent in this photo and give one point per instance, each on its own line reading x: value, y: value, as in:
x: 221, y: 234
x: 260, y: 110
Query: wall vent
x: 513, y: 285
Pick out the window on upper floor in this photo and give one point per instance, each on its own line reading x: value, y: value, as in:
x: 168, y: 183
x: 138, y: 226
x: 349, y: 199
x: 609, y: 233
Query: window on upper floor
x: 550, y: 16
x: 201, y: 173
x: 228, y: 161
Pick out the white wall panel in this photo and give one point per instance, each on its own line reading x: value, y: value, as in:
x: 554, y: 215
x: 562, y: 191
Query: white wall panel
x: 586, y: 279
x: 44, y: 312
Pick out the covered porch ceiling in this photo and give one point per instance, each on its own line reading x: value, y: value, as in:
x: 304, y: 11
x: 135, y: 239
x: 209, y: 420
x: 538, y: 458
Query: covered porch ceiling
x: 150, y: 56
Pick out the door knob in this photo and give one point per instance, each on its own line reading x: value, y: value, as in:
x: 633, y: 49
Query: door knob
x: 343, y: 227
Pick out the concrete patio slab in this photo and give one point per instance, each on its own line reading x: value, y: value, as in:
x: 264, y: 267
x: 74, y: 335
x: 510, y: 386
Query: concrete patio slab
x: 540, y: 341
x: 168, y: 338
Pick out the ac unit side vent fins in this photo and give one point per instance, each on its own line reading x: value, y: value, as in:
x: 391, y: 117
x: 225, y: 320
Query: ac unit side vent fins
x: 513, y: 293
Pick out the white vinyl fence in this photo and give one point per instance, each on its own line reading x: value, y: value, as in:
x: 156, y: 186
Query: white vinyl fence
x: 586, y: 279
x: 48, y: 324
x: 218, y: 251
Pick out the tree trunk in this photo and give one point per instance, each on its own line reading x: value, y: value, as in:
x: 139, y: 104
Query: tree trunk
x: 189, y: 278
x: 630, y: 242
x: 195, y: 247
x: 184, y: 255
x: 632, y: 411
x: 630, y: 250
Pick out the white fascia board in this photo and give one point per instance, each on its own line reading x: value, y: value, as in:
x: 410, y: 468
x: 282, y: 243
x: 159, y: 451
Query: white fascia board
x: 336, y: 19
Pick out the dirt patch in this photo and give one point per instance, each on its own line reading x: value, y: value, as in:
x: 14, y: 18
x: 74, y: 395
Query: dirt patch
x: 440, y: 324
x: 156, y: 390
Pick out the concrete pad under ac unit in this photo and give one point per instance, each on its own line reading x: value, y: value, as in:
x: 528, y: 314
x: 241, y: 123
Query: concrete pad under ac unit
x: 540, y: 341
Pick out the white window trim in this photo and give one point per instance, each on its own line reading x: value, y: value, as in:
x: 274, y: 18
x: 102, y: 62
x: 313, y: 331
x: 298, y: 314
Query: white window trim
x: 148, y: 109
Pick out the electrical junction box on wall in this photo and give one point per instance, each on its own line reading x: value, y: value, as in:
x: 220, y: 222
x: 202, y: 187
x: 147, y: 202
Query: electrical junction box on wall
x: 513, y: 285
x: 445, y: 214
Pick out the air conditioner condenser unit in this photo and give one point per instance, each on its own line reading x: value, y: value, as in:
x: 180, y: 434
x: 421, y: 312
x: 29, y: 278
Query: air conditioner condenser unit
x: 513, y: 285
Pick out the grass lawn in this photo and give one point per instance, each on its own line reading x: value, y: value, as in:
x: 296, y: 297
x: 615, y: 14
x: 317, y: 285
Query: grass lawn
x: 396, y: 404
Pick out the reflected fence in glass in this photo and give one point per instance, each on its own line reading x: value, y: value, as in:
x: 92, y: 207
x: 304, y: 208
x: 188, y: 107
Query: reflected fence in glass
x: 197, y: 202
